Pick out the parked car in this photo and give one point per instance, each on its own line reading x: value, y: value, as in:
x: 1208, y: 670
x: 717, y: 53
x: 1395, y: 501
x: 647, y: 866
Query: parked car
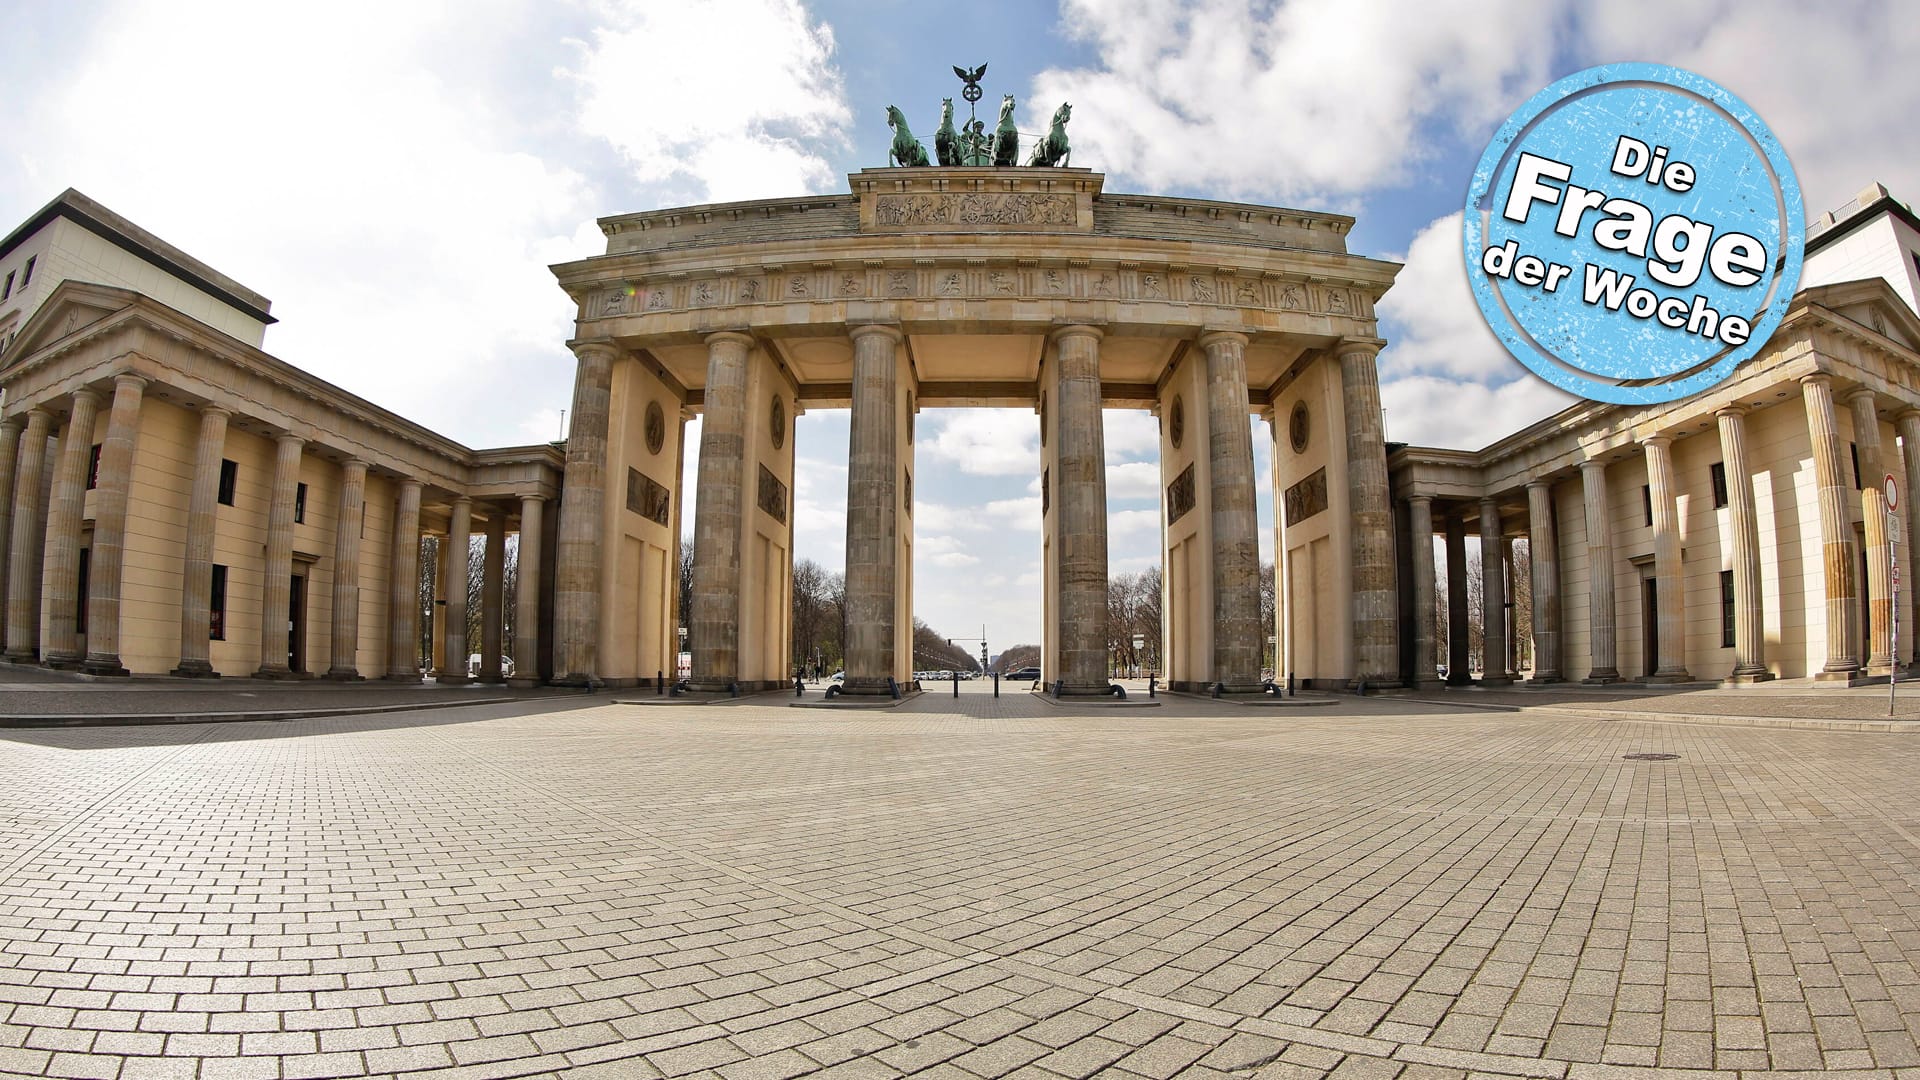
x: 1025, y: 674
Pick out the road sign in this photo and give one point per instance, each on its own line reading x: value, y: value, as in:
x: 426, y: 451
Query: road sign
x: 1893, y: 493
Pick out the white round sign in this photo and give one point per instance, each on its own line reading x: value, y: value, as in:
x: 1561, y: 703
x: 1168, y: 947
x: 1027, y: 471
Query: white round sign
x: 1893, y: 493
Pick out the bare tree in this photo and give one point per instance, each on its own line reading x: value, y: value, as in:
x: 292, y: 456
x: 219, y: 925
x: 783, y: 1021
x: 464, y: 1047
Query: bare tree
x: 1015, y: 657
x: 933, y: 651
x: 1269, y: 612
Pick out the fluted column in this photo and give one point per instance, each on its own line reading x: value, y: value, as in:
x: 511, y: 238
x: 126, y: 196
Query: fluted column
x: 1669, y: 578
x: 1873, y: 518
x: 872, y: 473
x: 1904, y: 547
x: 1238, y: 637
x: 576, y: 597
x: 403, y: 586
x: 60, y: 582
x: 1459, y: 653
x: 526, y: 608
x: 1080, y: 491
x: 196, y: 567
x: 493, y: 583
x: 345, y: 647
x: 1376, y: 607
x: 1602, y: 620
x: 276, y: 587
x: 1543, y: 549
x: 1493, y: 598
x: 1425, y: 665
x: 24, y: 549
x: 1842, y: 582
x: 453, y: 669
x: 1749, y: 623
x: 715, y: 624
x: 111, y: 490
x: 9, y: 459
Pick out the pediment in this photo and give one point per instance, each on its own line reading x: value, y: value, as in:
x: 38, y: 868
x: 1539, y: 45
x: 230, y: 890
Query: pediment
x: 1883, y: 318
x: 71, y: 308
x: 1873, y: 304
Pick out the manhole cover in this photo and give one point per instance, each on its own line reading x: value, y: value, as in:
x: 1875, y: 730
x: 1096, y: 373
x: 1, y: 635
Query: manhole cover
x: 1650, y: 757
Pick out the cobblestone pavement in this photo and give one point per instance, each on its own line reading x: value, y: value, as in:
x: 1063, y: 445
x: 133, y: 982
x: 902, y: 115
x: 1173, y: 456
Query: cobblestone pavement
x: 961, y: 889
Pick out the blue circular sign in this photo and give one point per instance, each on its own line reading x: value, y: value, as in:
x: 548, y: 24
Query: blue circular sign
x: 1633, y: 233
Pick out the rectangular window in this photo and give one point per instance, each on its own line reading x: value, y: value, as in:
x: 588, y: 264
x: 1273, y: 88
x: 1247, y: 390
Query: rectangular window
x: 300, y: 504
x: 1719, y: 475
x: 9, y: 289
x: 80, y: 601
x: 93, y: 467
x: 26, y: 273
x: 229, y: 476
x: 1854, y: 449
x: 217, y: 605
x: 1646, y: 496
x: 1726, y: 609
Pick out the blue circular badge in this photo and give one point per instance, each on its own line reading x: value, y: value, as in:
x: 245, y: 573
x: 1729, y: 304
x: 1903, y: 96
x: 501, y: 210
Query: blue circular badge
x: 1633, y: 233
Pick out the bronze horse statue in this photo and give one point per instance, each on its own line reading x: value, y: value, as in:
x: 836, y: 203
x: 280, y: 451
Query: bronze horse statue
x: 1006, y: 138
x: 1052, y: 148
x: 946, y: 141
x: 906, y: 149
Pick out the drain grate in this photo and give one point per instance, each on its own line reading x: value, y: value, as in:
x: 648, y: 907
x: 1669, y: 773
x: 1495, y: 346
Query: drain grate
x: 1650, y: 757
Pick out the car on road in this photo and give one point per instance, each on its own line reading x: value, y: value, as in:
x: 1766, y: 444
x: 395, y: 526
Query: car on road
x: 1025, y: 674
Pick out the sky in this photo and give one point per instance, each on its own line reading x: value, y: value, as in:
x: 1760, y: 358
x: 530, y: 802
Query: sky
x: 397, y: 178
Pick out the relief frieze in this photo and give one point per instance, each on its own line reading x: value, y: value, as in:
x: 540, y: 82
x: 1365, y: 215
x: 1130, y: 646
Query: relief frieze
x: 945, y: 208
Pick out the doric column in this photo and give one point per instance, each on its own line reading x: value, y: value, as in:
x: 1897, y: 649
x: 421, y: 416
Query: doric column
x: 1080, y: 492
x: 1459, y: 620
x: 1904, y: 547
x: 1873, y: 518
x: 1669, y: 580
x: 1543, y: 549
x: 526, y: 607
x: 576, y: 598
x: 872, y: 471
x: 403, y: 587
x: 715, y: 623
x: 1749, y: 625
x: 9, y: 458
x: 1238, y: 638
x: 276, y: 587
x: 1493, y: 598
x: 345, y: 665
x: 23, y: 559
x: 1425, y: 665
x: 1600, y: 612
x: 493, y: 583
x: 453, y: 669
x: 111, y: 489
x: 60, y: 584
x: 196, y: 568
x: 1829, y: 473
x: 1376, y: 625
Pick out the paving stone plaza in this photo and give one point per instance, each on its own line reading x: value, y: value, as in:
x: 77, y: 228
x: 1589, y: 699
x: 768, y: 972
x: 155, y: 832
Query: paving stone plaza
x: 965, y: 887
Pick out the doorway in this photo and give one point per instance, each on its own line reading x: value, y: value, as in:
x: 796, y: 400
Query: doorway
x: 297, y: 624
x: 1650, y: 623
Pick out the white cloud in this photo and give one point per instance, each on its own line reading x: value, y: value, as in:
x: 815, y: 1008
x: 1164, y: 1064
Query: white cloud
x: 1130, y: 434
x: 1430, y: 316
x: 1133, y: 480
x: 1019, y: 513
x: 1128, y: 522
x: 984, y: 442
x: 1430, y: 411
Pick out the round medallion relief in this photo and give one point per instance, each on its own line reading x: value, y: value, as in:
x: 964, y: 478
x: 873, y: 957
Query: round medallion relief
x: 777, y: 422
x: 1177, y: 421
x: 1298, y: 427
x: 656, y: 428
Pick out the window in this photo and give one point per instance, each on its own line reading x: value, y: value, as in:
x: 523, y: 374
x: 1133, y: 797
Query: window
x: 26, y: 272
x: 9, y: 289
x: 1718, y: 472
x: 1854, y: 449
x: 217, y: 605
x: 1646, y: 496
x: 1726, y: 609
x: 93, y: 467
x: 300, y: 504
x: 229, y: 475
x: 80, y: 601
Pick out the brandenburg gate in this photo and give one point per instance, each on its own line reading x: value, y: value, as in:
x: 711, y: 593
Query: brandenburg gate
x: 974, y: 286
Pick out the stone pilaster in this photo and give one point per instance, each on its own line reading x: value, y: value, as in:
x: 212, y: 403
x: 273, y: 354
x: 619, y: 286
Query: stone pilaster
x: 111, y: 490
x: 345, y: 646
x: 1873, y: 519
x: 60, y: 581
x: 715, y: 624
x: 1601, y: 617
x: 459, y: 552
x: 9, y: 458
x: 1842, y: 584
x: 1376, y: 624
x: 1426, y: 672
x: 403, y: 587
x: 493, y: 583
x: 1238, y: 637
x: 526, y: 609
x: 576, y: 598
x: 276, y: 587
x: 1668, y: 575
x: 1909, y: 426
x: 1459, y: 655
x: 24, y: 547
x: 1080, y: 493
x: 1493, y: 598
x: 1749, y: 622
x: 872, y: 471
x: 1543, y: 548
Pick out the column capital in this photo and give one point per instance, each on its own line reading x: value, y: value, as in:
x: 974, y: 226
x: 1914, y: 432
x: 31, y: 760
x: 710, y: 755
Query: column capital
x: 1859, y: 392
x: 463, y: 500
x: 1907, y: 414
x: 1061, y: 333
x: 585, y: 349
x: 1412, y: 499
x: 1210, y: 338
x: 87, y: 392
x: 354, y: 463
x: 729, y: 337
x: 210, y: 409
x: 1371, y: 346
x: 14, y: 423
x: 857, y: 331
x: 1816, y: 378
x: 1734, y: 411
x: 532, y: 497
x: 1488, y: 502
x: 407, y: 483
x: 1593, y: 464
x: 128, y: 378
x: 1657, y: 441
x: 1540, y: 484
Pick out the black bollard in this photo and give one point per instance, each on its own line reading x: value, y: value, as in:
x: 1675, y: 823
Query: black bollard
x: 956, y: 684
x: 1151, y: 689
x: 996, y: 684
x: 799, y: 688
x: 659, y: 682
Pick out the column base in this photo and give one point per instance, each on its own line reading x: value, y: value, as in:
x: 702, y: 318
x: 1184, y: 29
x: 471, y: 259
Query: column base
x: 280, y: 673
x: 493, y: 680
x: 1660, y: 678
x: 401, y: 677
x: 1746, y: 676
x: 1842, y: 677
x: 344, y: 675
x: 194, y: 669
x: 1459, y: 680
x: 449, y: 679
x: 1431, y: 684
x: 1544, y: 680
x: 1496, y: 680
x: 104, y: 665
x: 1601, y: 677
x: 22, y: 656
x: 64, y: 661
x: 519, y: 683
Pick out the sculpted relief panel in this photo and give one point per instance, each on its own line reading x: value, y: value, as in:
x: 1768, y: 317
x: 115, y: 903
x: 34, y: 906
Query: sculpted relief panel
x: 1021, y: 208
